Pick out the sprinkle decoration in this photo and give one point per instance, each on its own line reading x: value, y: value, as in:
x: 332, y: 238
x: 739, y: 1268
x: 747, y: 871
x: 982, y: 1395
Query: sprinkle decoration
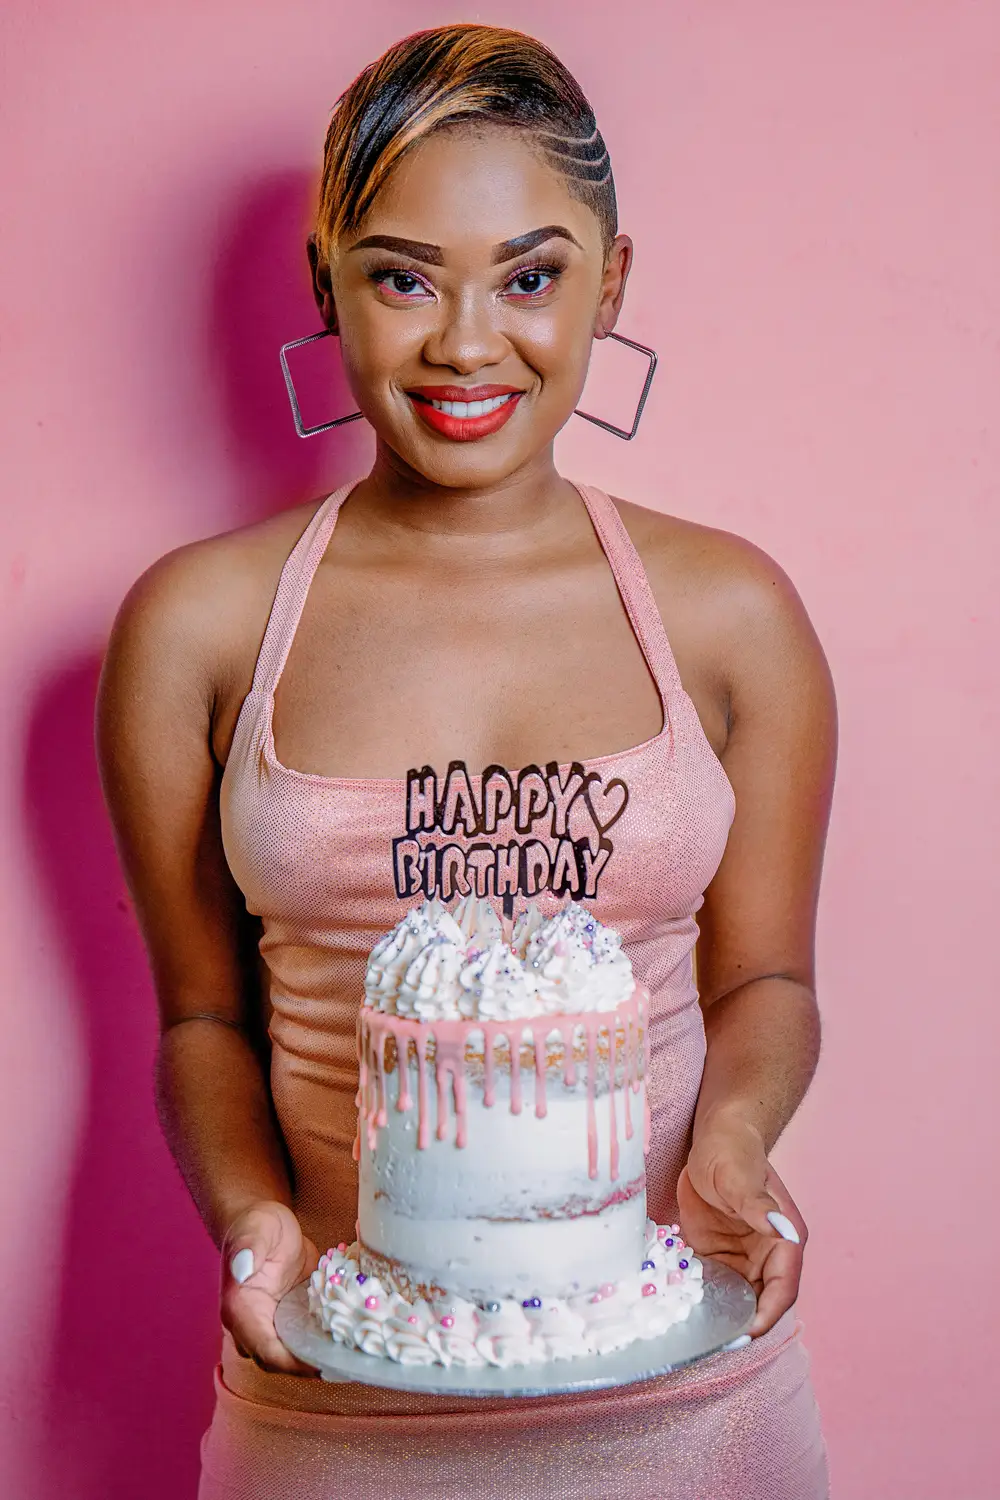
x: 371, y: 1303
x: 361, y: 1278
x: 649, y: 1290
x: 447, y: 1321
x: 683, y: 1264
x: 648, y: 1265
x: 668, y: 1242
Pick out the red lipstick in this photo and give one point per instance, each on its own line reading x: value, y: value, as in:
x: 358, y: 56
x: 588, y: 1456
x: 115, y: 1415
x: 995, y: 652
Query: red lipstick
x: 464, y: 429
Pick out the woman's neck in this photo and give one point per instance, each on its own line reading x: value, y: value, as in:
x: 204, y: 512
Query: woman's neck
x: 396, y: 500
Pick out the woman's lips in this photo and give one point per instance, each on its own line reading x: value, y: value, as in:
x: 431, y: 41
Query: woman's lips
x: 492, y: 406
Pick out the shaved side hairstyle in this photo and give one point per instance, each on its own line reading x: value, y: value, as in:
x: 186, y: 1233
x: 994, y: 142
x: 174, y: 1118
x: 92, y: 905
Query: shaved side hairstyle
x: 449, y: 76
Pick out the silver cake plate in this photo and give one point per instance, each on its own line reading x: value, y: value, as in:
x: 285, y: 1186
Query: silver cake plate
x: 725, y: 1312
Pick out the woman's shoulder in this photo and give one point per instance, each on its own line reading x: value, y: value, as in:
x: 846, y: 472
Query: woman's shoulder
x: 709, y: 569
x: 726, y: 604
x: 205, y: 604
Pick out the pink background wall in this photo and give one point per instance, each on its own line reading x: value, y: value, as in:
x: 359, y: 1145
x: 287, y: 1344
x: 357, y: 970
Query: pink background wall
x: 812, y: 192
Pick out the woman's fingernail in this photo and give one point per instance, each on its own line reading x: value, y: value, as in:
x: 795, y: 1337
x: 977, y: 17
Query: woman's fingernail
x: 241, y: 1266
x: 784, y: 1226
x: 739, y: 1343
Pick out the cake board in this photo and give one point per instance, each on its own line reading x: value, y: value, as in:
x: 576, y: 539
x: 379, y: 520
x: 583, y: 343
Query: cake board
x: 725, y: 1312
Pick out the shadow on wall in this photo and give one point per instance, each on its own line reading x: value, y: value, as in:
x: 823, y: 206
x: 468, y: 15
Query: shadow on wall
x: 130, y: 1382
x: 129, y: 1391
x: 261, y: 299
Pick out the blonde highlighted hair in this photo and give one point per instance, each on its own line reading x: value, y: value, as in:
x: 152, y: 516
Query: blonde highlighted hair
x: 445, y: 76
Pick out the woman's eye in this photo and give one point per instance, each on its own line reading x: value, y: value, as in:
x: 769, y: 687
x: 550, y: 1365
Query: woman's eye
x: 400, y: 283
x: 531, y: 283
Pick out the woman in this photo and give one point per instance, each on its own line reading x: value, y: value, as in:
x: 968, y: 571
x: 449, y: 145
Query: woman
x: 266, y: 692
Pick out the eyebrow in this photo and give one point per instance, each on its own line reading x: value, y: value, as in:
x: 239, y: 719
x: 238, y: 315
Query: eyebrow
x: 433, y: 255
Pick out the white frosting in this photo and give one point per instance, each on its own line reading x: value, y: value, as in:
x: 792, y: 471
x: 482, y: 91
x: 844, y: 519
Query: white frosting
x: 514, y: 1211
x: 439, y: 966
x: 361, y: 1312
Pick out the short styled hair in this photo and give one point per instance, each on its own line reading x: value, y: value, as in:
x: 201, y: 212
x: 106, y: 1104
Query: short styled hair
x: 447, y: 76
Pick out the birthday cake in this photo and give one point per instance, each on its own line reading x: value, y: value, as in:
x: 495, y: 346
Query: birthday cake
x: 502, y: 1133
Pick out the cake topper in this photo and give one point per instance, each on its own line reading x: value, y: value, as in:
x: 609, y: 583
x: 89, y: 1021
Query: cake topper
x: 515, y: 834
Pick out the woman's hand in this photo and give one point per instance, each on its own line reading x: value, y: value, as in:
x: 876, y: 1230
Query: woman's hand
x: 265, y: 1254
x: 735, y: 1208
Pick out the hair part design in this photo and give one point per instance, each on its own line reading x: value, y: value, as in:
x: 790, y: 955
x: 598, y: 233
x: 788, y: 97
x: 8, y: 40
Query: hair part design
x: 448, y: 76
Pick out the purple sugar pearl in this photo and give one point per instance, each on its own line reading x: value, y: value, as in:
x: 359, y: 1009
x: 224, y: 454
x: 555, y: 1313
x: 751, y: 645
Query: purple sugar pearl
x: 649, y: 1265
x: 532, y: 1302
x: 683, y: 1264
x: 361, y: 1278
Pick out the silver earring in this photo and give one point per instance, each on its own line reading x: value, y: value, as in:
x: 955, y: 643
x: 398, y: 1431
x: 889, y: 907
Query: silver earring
x: 610, y: 426
x: 300, y: 427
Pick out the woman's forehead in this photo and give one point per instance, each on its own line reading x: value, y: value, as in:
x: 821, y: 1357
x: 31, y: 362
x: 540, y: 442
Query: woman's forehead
x: 474, y: 189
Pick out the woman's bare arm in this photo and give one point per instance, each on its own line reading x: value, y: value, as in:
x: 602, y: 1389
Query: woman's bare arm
x: 756, y: 954
x: 158, y: 690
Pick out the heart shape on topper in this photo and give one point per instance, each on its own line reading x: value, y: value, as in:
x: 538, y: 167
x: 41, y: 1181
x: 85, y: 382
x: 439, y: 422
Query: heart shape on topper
x: 609, y: 808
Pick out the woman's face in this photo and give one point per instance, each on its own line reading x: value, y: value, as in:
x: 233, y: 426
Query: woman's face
x: 477, y: 279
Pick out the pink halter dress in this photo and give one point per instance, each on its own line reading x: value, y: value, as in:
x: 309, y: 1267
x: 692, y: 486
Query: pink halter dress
x: 318, y: 860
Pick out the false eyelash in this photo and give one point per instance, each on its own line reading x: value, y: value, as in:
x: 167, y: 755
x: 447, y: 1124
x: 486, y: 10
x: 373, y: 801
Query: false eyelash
x: 550, y: 268
x: 379, y: 273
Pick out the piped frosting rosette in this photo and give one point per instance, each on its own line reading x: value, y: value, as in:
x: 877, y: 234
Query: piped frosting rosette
x: 359, y: 1312
x: 439, y: 966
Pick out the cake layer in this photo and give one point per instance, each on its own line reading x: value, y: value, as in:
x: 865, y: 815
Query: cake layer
x: 532, y: 1181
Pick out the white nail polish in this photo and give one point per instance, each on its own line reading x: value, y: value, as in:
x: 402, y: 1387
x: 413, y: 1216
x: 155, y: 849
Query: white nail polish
x: 241, y: 1266
x: 784, y: 1226
x: 739, y: 1343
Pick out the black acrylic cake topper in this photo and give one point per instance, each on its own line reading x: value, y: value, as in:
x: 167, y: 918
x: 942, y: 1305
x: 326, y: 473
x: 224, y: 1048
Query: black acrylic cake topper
x: 527, y: 818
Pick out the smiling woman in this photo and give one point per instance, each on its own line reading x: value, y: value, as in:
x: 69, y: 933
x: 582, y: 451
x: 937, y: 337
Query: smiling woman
x: 272, y: 698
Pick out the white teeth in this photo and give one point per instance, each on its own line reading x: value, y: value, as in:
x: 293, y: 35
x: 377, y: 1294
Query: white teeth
x: 468, y: 409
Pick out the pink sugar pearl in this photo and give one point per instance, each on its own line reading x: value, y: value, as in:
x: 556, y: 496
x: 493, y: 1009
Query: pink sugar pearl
x: 661, y: 1231
x: 411, y: 1318
x: 607, y: 1290
x: 447, y: 1321
x: 336, y: 1278
x: 371, y: 1303
x: 649, y: 1290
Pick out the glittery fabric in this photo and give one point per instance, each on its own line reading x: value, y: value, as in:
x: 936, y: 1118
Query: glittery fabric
x: 313, y: 856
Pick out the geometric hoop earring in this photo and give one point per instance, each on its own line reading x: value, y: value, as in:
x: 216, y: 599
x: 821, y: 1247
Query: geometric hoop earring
x: 610, y: 426
x: 300, y: 427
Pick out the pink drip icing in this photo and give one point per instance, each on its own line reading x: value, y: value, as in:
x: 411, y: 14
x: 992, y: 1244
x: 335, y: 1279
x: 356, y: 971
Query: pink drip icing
x: 404, y: 1100
x: 423, y: 1128
x: 514, y: 1042
x: 540, y: 1029
x: 613, y: 1123
x: 627, y: 1077
x: 591, y: 1031
x: 566, y: 1031
x: 489, y: 1075
x: 382, y: 1117
x: 451, y: 1039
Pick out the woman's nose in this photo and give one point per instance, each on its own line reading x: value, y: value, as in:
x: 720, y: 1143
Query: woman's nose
x: 467, y: 336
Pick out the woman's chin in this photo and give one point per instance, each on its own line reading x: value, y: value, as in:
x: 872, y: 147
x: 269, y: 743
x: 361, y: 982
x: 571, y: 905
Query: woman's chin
x: 465, y: 465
